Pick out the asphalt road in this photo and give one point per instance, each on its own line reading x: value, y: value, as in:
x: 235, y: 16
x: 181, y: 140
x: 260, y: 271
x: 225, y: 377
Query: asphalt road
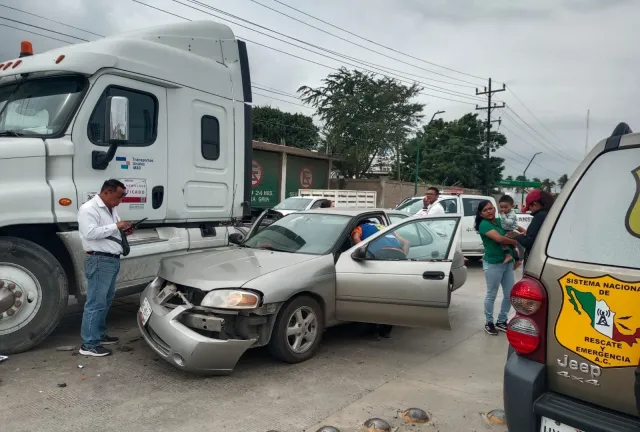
x: 454, y: 375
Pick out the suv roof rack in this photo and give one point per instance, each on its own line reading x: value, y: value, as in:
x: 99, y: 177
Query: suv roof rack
x: 613, y: 142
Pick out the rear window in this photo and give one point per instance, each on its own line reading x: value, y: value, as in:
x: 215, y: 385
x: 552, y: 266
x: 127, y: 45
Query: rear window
x: 600, y: 223
x: 471, y: 205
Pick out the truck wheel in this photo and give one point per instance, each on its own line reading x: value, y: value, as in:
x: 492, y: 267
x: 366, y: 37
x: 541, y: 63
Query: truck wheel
x: 33, y: 294
x: 298, y: 330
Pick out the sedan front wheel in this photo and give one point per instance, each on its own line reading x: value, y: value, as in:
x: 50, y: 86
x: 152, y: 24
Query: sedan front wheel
x: 298, y: 330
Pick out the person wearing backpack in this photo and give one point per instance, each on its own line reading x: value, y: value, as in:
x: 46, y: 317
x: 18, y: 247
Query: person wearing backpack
x: 103, y: 237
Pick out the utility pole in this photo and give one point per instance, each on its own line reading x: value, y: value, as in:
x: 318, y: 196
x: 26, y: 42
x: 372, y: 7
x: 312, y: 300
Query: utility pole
x: 489, y: 92
x: 415, y: 183
x: 524, y: 174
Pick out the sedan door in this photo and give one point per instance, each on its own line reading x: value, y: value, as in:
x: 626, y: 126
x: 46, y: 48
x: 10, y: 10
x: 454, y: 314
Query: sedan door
x: 406, y: 289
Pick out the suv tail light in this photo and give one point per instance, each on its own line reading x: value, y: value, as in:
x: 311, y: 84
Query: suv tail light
x: 527, y: 331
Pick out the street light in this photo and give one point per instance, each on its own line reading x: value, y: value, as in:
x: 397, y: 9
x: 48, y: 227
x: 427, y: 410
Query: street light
x: 415, y: 183
x: 524, y: 175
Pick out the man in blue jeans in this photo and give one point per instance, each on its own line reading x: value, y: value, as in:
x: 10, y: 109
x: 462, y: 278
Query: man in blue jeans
x: 100, y: 231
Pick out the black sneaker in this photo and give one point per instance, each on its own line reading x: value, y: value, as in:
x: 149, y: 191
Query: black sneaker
x: 110, y: 340
x: 501, y: 326
x: 97, y: 351
x: 490, y: 329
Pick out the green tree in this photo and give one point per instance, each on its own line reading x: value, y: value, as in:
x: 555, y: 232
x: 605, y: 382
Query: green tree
x: 547, y: 185
x: 452, y: 152
x: 509, y: 178
x: 364, y: 117
x: 562, y: 181
x: 279, y: 127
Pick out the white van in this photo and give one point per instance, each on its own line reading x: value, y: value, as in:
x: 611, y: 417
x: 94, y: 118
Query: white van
x: 466, y: 205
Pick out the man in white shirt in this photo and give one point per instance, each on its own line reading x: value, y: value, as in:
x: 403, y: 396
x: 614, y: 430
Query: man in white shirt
x: 431, y: 206
x: 100, y: 231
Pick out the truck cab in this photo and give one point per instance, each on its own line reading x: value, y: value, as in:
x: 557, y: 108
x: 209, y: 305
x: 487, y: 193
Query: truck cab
x: 166, y: 110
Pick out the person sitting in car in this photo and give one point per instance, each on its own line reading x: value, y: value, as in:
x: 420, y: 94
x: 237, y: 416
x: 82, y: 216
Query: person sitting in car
x: 382, y: 248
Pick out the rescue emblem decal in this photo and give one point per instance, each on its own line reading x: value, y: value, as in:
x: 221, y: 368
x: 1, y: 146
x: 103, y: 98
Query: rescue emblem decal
x: 599, y: 319
x: 632, y: 221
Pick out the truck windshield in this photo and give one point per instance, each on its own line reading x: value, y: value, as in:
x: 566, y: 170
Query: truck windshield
x: 301, y: 232
x: 293, y: 203
x: 40, y: 107
x: 412, y: 206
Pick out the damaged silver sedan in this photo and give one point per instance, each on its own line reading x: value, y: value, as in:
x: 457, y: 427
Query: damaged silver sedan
x: 286, y: 282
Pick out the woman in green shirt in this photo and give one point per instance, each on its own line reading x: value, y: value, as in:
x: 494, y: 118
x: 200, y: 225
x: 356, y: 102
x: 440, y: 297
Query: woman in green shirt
x: 496, y: 271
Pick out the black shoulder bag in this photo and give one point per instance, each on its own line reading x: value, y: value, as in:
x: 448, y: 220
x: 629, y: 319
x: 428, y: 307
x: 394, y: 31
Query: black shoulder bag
x: 124, y: 242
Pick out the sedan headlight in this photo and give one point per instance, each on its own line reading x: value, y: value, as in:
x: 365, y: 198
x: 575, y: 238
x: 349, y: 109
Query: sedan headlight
x: 230, y: 299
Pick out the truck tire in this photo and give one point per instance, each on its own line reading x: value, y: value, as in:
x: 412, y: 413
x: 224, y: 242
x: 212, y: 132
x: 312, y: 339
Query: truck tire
x: 35, y: 282
x: 305, y: 314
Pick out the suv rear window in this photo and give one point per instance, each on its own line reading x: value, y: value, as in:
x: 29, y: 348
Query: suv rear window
x: 600, y: 222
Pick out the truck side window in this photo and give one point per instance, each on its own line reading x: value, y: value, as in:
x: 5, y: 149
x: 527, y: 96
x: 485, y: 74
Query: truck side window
x: 143, y: 117
x: 210, y: 142
x: 471, y: 205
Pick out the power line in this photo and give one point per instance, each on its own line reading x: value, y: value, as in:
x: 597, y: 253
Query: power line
x: 303, y: 48
x: 545, y: 140
x: 536, y: 139
x: 373, y: 65
x: 45, y: 29
x: 49, y: 19
x: 378, y: 44
x: 356, y: 44
x: 530, y: 112
x: 37, y: 34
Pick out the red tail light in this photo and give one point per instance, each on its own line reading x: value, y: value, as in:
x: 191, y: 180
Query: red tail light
x: 527, y: 331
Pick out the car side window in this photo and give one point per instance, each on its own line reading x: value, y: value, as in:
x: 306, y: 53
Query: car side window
x: 425, y: 239
x: 450, y: 205
x: 471, y: 205
x: 396, y: 218
x: 596, y: 231
x: 210, y: 137
x: 143, y: 117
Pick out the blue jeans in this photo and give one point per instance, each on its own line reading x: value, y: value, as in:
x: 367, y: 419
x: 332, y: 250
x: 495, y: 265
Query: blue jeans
x: 101, y: 273
x: 495, y: 275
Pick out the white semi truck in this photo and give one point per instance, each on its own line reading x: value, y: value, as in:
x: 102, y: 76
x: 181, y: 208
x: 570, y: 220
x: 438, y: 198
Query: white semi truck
x: 165, y: 110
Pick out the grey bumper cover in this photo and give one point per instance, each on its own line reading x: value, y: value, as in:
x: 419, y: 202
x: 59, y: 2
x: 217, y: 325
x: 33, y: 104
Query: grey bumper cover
x: 526, y: 400
x: 184, y: 348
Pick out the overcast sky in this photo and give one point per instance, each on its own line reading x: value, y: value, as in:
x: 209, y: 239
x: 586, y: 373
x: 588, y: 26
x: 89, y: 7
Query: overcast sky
x: 559, y: 57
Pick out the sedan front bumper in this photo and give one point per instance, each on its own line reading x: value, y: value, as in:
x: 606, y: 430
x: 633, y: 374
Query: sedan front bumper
x: 184, y: 348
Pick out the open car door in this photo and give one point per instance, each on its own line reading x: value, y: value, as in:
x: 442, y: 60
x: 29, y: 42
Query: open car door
x: 400, y: 275
x: 265, y: 219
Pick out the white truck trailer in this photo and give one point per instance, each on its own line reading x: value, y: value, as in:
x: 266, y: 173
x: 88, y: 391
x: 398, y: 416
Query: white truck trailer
x: 165, y: 110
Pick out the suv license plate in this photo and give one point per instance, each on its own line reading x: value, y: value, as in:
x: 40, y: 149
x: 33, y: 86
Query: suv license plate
x: 549, y: 425
x: 144, y: 312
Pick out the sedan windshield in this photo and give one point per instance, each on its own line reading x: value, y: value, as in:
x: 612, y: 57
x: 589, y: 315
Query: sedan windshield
x: 41, y: 106
x: 293, y: 203
x: 300, y: 232
x: 412, y: 206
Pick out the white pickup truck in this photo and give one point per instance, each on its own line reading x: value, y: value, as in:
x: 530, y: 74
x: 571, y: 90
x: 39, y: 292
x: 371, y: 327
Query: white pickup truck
x: 166, y: 110
x: 466, y: 205
x: 313, y: 198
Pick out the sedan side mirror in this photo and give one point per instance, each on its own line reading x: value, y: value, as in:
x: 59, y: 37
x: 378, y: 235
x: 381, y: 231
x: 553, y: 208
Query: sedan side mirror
x: 116, y: 130
x: 236, y: 238
x: 359, y: 254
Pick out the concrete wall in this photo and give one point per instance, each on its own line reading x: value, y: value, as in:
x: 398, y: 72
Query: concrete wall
x: 390, y: 192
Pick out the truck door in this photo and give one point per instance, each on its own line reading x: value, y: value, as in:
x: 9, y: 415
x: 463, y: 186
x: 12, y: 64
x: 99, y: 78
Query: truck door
x: 140, y: 163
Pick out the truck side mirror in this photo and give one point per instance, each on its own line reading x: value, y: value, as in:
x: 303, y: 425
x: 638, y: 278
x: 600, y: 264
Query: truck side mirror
x: 116, y: 131
x: 236, y: 238
x: 359, y: 254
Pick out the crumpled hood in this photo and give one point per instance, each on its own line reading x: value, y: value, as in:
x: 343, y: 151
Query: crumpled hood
x: 228, y: 267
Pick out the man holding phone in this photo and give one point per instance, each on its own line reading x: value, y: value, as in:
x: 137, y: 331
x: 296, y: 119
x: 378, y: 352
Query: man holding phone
x: 101, y: 232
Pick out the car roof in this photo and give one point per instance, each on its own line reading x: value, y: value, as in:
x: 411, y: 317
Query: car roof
x: 351, y: 211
